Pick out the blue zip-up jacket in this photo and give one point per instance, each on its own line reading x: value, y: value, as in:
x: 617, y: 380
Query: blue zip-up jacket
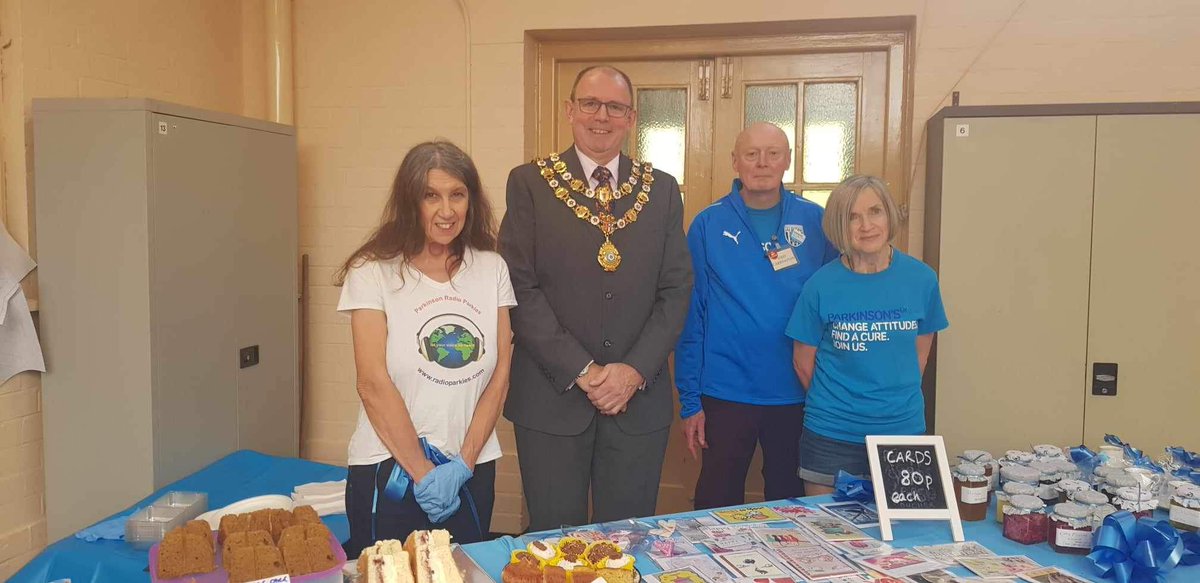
x: 733, y: 347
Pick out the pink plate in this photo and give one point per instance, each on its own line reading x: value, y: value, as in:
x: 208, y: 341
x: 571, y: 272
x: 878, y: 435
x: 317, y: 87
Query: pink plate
x: 219, y: 575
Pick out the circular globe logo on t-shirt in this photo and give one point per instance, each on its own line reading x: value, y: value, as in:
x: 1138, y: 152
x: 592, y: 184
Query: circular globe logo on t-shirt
x: 451, y: 341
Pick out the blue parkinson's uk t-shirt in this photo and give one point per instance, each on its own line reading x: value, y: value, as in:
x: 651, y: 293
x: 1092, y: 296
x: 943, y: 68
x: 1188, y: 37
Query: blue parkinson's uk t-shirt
x: 867, y: 380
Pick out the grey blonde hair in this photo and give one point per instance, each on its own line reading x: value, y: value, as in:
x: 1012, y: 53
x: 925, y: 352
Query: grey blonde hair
x: 837, y: 209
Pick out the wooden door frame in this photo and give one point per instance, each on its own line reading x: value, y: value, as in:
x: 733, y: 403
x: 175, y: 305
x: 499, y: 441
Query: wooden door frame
x: 544, y: 49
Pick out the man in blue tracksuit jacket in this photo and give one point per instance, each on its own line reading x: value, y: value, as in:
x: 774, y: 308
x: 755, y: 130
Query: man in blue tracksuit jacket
x: 752, y: 251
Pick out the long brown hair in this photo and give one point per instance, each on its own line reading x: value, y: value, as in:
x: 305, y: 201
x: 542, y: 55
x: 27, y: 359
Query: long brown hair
x: 401, y: 232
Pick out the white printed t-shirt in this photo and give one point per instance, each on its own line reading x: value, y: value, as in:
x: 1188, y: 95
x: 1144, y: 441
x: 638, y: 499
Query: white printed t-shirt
x: 441, y: 346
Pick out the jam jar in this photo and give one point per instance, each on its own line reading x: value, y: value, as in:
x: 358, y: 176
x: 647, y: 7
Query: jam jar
x: 1138, y: 501
x: 1068, y: 469
x: 1025, y: 519
x: 1048, y: 479
x: 1012, y: 489
x: 1047, y: 452
x: 1016, y: 456
x: 1185, y: 507
x: 1070, y: 529
x: 1019, y: 473
x: 1100, y: 513
x: 983, y: 458
x: 1101, y: 473
x: 1067, y: 487
x: 1090, y: 498
x: 1169, y: 490
x: 1115, y: 481
x: 971, y: 490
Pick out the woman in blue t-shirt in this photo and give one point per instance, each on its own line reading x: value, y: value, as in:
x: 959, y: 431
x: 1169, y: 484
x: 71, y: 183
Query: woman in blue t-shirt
x: 863, y: 327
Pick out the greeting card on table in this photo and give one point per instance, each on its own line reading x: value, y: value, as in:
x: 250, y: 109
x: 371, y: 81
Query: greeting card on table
x: 900, y: 563
x: 692, y: 529
x: 702, y: 564
x: 1051, y: 575
x: 748, y: 515
x: 753, y: 563
x: 796, y: 511
x: 951, y: 553
x: 862, y: 548
x: 938, y: 576
x: 784, y: 537
x: 740, y: 542
x: 725, y: 531
x: 855, y: 513
x: 832, y: 529
x: 999, y: 566
x: 671, y: 547
x: 815, y: 562
x: 679, y: 576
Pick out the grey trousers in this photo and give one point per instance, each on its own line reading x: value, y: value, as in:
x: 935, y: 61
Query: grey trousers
x: 622, y: 471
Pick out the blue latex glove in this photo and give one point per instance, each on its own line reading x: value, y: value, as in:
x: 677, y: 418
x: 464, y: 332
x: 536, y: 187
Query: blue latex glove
x: 111, y: 529
x: 437, y: 492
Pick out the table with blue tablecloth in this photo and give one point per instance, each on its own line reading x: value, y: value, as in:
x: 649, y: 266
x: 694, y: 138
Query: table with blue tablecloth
x: 240, y: 475
x: 492, y: 556
x: 245, y: 474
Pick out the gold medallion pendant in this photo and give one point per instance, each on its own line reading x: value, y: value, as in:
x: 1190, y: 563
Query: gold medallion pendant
x: 563, y: 184
x: 609, y: 257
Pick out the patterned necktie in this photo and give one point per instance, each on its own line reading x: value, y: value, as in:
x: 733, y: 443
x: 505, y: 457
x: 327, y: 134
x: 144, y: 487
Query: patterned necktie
x: 603, y: 180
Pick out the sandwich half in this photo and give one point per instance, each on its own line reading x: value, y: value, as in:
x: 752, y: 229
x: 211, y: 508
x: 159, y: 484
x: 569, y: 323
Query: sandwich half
x: 386, y: 562
x: 432, y: 561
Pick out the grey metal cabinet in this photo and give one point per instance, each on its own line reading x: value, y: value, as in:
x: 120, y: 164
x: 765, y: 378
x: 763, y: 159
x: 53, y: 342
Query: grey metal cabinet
x: 166, y: 242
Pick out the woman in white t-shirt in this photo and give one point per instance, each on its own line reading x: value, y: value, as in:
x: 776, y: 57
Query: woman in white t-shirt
x: 428, y: 299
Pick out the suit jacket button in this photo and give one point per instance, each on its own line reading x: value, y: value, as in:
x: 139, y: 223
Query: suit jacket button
x: 608, y: 295
x: 608, y: 343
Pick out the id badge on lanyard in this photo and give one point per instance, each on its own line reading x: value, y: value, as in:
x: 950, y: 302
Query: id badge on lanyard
x: 781, y: 257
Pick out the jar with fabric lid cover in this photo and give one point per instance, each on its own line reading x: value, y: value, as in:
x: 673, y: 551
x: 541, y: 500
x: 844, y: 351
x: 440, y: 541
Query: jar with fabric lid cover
x: 1100, y: 513
x: 1185, y: 507
x: 1101, y: 473
x: 1048, y: 479
x: 1141, y: 503
x: 1012, y: 489
x: 1025, y: 519
x: 1090, y: 498
x: 983, y: 458
x: 971, y: 490
x: 1067, y: 469
x: 1068, y: 487
x: 1016, y: 456
x: 1019, y: 473
x: 1047, y: 452
x: 1115, y: 481
x: 1070, y: 529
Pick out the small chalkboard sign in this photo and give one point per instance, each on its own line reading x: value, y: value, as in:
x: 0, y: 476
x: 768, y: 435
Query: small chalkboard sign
x: 912, y: 481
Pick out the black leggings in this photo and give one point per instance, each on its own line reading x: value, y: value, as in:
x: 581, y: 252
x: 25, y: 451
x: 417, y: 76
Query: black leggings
x: 395, y: 520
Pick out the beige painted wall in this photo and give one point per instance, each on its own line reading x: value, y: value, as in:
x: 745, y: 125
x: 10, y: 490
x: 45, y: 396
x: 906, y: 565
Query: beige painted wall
x: 206, y: 54
x: 375, y: 77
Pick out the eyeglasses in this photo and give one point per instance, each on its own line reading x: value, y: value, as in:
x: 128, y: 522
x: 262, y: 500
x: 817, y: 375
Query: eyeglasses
x: 591, y: 106
x: 771, y: 156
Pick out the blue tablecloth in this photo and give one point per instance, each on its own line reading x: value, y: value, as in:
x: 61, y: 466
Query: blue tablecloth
x: 238, y: 476
x: 493, y: 555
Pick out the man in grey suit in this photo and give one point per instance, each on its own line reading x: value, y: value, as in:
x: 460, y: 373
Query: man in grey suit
x: 598, y: 260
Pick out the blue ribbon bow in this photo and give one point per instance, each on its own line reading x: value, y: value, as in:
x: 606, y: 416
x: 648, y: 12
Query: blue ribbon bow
x: 848, y: 487
x: 1138, y: 551
x: 1187, y: 458
x: 1086, y: 459
x: 1133, y: 455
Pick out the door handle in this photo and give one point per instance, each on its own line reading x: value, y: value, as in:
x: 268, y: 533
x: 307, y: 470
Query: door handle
x: 1104, y: 379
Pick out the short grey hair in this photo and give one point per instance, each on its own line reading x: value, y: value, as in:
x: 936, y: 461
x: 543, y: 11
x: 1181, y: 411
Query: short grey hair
x: 837, y: 209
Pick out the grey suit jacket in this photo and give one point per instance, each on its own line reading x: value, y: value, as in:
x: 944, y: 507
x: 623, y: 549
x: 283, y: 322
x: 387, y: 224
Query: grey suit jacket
x: 571, y: 311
